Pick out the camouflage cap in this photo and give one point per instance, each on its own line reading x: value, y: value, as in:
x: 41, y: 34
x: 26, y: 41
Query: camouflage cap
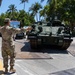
x: 6, y: 20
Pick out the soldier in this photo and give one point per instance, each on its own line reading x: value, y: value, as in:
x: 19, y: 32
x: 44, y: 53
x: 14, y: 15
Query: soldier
x: 8, y: 48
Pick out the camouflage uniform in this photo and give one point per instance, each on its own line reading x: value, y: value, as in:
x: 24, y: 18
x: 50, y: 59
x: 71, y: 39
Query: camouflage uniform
x: 8, y: 48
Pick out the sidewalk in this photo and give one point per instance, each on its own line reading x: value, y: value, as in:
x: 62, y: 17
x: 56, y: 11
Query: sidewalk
x: 63, y: 63
x: 71, y: 49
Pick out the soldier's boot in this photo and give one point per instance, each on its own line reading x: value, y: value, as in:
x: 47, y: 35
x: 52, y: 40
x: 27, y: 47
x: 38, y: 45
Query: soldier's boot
x: 12, y: 69
x: 6, y: 71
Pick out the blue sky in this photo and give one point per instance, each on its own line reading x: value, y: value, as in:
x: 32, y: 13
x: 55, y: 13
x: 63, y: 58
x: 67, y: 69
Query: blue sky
x: 6, y: 3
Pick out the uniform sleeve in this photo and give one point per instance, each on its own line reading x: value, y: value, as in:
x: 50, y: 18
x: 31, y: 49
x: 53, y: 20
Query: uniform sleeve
x: 17, y: 30
x: 0, y: 29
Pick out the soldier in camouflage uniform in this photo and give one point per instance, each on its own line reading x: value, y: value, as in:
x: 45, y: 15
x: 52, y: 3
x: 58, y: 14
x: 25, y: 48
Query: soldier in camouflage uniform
x: 8, y: 48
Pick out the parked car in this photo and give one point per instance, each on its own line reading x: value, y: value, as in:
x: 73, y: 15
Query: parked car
x: 16, y: 24
x: 20, y: 35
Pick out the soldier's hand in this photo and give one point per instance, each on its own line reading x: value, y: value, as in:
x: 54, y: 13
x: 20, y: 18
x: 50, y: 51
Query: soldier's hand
x: 23, y: 29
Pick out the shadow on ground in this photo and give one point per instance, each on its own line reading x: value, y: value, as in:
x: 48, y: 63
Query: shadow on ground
x: 1, y: 72
x: 40, y: 53
x: 65, y: 72
x: 47, y: 49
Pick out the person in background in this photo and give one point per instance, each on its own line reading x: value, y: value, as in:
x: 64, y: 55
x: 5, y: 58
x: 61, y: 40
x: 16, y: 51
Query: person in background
x: 8, y: 47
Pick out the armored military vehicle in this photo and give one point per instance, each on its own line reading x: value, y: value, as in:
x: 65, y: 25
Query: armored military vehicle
x: 54, y: 34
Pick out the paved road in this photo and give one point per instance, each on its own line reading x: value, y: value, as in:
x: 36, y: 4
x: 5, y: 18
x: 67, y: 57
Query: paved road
x: 63, y: 63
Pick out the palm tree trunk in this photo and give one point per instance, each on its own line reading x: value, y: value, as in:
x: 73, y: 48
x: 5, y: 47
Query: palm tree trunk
x: 36, y: 17
x: 39, y: 17
x: 24, y: 5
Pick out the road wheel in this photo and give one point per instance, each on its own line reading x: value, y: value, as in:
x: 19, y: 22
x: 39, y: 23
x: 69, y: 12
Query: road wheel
x: 66, y: 44
x: 33, y: 43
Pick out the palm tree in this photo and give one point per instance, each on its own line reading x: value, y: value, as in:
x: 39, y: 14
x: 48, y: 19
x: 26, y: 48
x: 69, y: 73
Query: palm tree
x: 24, y: 1
x: 54, y: 5
x: 0, y: 2
x: 44, y: 12
x: 35, y: 8
x: 11, y: 10
x: 47, y: 1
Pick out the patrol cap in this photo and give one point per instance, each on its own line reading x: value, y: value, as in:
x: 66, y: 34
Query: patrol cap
x: 6, y: 20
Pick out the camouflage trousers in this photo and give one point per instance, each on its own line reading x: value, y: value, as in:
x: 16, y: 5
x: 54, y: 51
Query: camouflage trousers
x: 8, y: 53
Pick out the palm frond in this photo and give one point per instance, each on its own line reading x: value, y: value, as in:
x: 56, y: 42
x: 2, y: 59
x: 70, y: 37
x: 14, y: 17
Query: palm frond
x: 0, y: 2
